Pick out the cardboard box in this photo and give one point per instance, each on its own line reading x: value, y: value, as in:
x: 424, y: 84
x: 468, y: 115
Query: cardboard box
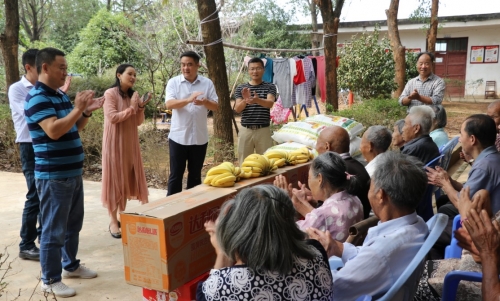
x: 187, y: 292
x: 164, y: 242
x: 296, y: 173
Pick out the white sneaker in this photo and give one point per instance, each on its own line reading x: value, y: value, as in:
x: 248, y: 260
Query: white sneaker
x: 59, y: 289
x: 81, y: 272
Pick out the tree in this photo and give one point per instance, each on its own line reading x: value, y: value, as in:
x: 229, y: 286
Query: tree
x: 9, y: 42
x: 105, y: 42
x: 269, y: 29
x: 65, y: 31
x: 432, y: 33
x: 427, y: 13
x: 315, y: 42
x: 366, y: 66
x: 398, y: 50
x: 34, y: 15
x: 216, y: 63
x: 330, y: 28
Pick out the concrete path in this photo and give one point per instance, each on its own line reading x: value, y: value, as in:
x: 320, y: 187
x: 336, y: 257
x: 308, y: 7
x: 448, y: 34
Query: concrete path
x: 98, y: 250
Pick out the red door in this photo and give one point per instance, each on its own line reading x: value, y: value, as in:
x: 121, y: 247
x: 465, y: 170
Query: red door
x: 451, y: 63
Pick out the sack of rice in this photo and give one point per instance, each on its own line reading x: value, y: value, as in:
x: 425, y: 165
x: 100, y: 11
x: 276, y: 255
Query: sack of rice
x: 302, y: 132
x: 351, y: 126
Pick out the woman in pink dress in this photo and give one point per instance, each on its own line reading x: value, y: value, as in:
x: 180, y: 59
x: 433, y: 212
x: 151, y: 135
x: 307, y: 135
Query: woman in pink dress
x: 330, y: 183
x: 123, y: 175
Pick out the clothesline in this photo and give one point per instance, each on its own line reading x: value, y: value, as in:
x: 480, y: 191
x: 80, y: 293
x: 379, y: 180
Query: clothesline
x: 194, y: 42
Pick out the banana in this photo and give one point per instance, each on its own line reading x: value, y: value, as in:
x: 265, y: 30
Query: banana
x: 275, y: 154
x: 227, y: 184
x: 252, y: 163
x: 217, y: 170
x: 246, y: 169
x: 280, y: 162
x: 301, y: 161
x: 246, y: 175
x: 208, y: 179
x: 237, y: 171
x: 221, y: 181
x: 228, y: 165
x: 255, y: 174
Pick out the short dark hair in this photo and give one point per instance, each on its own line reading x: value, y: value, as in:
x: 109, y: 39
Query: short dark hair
x: 400, y: 124
x: 192, y: 55
x: 430, y: 54
x: 441, y: 118
x: 483, y: 127
x: 256, y: 60
x: 46, y: 56
x: 29, y: 57
x: 402, y: 178
x: 333, y: 169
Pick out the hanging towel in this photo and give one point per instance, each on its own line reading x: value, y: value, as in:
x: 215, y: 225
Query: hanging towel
x: 268, y: 73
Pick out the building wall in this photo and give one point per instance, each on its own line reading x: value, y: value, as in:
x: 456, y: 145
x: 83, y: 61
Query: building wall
x: 478, y: 34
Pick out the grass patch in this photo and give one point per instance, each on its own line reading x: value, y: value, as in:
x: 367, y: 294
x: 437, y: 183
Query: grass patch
x: 376, y: 112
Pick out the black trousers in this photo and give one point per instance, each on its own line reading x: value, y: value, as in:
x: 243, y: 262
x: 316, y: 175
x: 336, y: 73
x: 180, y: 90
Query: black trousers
x: 194, y: 155
x: 446, y: 207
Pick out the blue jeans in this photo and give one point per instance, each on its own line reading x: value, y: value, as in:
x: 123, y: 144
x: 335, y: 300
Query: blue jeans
x: 31, y: 211
x: 61, y: 209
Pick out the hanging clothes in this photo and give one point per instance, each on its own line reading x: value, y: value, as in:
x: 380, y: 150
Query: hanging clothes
x: 293, y: 72
x: 321, y: 76
x: 303, y: 94
x: 268, y: 71
x: 299, y: 78
x: 283, y: 79
x: 315, y: 67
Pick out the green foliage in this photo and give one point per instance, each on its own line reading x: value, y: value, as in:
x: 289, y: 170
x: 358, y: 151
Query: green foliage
x: 269, y: 30
x: 411, y: 66
x: 367, y: 66
x: 8, y: 146
x: 65, y: 31
x: 376, y: 112
x: 105, y: 43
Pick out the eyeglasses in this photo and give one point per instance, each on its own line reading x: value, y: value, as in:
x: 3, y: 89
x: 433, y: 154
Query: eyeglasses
x: 255, y: 69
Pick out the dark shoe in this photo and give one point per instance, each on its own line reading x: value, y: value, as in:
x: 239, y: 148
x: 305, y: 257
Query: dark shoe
x: 115, y: 235
x: 33, y: 254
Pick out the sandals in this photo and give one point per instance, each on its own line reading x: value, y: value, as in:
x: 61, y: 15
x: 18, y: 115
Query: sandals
x: 117, y: 235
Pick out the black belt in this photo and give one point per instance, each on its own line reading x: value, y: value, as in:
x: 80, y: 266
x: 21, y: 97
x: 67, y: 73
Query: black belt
x: 255, y: 127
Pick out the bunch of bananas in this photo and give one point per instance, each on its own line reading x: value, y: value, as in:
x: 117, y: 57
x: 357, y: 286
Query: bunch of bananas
x: 223, y: 175
x: 298, y: 156
x: 256, y: 165
x: 278, y: 156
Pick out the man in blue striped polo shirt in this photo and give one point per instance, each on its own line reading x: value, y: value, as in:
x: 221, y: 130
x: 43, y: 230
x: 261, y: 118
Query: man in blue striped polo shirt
x: 53, y: 124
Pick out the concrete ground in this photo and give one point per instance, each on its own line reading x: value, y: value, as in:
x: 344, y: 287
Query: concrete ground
x: 98, y: 250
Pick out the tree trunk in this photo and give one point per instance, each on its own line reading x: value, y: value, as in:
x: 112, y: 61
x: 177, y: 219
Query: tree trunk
x: 108, y: 5
x: 315, y: 42
x: 330, y: 30
x: 9, y: 42
x: 216, y: 64
x: 432, y: 32
x: 398, y: 50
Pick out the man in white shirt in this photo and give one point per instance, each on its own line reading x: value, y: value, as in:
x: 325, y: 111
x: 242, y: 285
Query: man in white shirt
x: 389, y: 247
x: 17, y: 94
x: 376, y: 140
x: 189, y: 96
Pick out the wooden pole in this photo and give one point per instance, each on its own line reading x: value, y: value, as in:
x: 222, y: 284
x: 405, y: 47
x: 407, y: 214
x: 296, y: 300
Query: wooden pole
x: 194, y: 42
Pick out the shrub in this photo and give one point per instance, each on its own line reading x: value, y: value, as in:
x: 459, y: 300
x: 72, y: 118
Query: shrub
x: 8, y: 146
x: 376, y: 112
x: 366, y: 66
x: 411, y: 65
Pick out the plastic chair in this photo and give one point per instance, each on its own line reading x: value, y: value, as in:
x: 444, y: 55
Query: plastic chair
x: 404, y: 288
x: 453, y: 278
x: 453, y: 250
